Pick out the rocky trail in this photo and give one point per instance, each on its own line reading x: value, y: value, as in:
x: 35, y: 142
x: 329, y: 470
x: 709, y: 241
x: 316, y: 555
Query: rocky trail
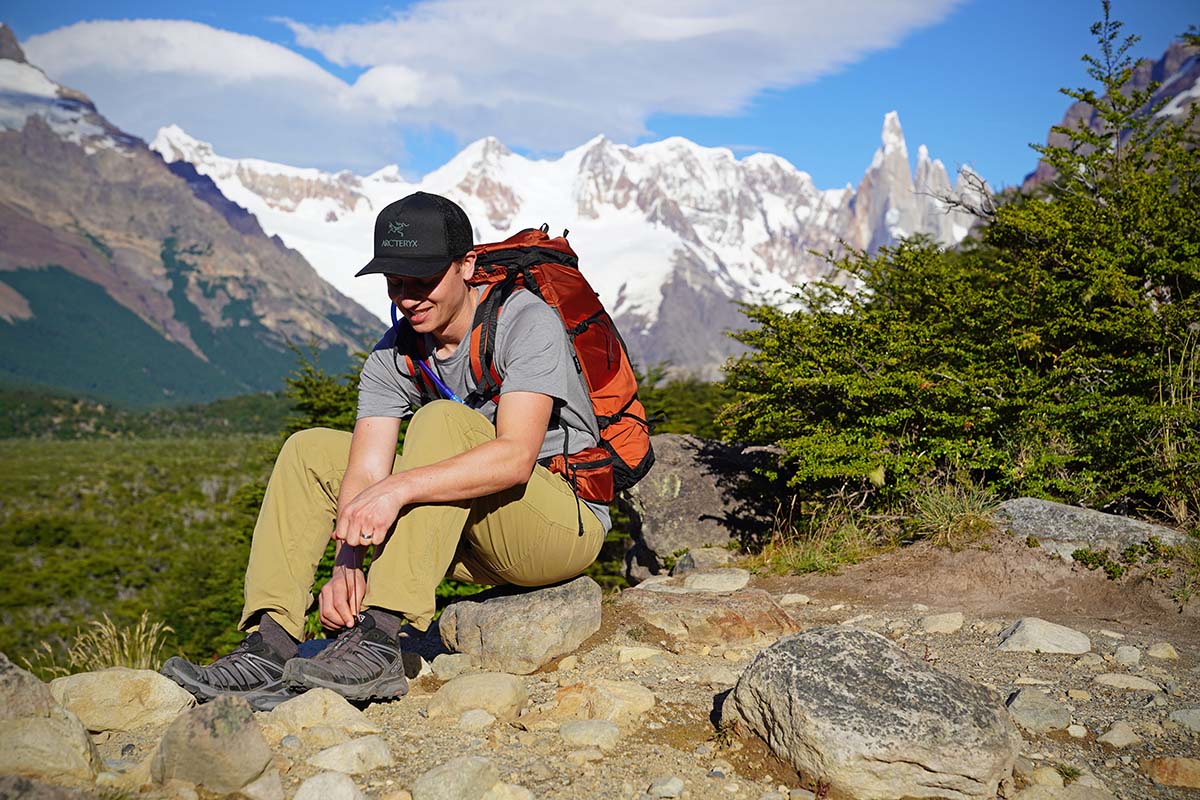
x: 1001, y: 669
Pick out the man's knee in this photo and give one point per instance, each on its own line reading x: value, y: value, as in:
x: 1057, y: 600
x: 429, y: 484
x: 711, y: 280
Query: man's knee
x: 304, y: 445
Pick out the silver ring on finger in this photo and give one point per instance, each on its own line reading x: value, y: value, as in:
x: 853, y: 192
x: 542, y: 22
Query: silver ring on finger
x: 364, y: 537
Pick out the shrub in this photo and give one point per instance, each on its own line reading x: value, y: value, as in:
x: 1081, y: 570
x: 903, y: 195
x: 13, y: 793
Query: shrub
x: 1055, y: 355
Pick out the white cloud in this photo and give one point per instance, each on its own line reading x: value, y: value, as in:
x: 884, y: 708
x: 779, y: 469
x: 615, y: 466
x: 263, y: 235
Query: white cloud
x: 542, y: 75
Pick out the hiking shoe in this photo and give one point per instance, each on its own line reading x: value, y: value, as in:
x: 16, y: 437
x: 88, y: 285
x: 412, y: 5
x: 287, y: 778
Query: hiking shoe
x: 252, y: 668
x: 363, y: 663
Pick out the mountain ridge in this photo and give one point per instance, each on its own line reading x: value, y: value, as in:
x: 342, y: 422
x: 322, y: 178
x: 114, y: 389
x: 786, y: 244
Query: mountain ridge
x: 658, y: 225
x: 187, y: 298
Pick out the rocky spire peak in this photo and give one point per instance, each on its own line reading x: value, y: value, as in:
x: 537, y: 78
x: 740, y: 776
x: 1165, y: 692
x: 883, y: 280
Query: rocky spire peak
x: 10, y: 49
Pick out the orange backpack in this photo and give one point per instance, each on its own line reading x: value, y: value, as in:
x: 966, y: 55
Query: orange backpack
x: 550, y: 269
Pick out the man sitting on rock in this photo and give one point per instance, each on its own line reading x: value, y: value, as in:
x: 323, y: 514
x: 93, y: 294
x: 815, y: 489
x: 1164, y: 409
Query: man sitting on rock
x: 466, y: 498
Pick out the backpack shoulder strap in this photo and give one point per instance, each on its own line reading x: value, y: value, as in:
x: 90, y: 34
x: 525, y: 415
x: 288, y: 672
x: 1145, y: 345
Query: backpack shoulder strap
x: 410, y: 347
x: 484, y: 329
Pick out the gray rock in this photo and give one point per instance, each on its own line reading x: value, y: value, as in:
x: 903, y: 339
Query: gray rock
x: 590, y: 733
x: 495, y: 692
x: 874, y: 721
x: 329, y: 786
x: 1129, y: 683
x: 1033, y: 635
x: 448, y: 666
x: 319, y: 708
x: 1078, y: 527
x: 521, y: 632
x: 355, y: 757
x: 1120, y: 735
x: 666, y: 786
x: 56, y: 747
x: 942, y: 623
x: 475, y: 720
x: 38, y: 737
x: 742, y: 617
x: 17, y: 787
x: 1036, y: 712
x: 794, y: 599
x: 619, y: 702
x: 121, y: 699
x: 1163, y: 651
x: 704, y: 558
x: 21, y: 693
x: 729, y: 579
x: 1187, y: 718
x: 688, y: 501
x: 1128, y: 656
x: 466, y: 778
x: 218, y: 746
x: 268, y: 787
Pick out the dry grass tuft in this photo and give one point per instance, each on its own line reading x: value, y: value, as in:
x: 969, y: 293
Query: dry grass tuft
x: 104, y: 644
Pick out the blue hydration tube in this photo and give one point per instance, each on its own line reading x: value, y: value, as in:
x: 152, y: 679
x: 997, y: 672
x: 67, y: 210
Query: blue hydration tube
x: 429, y: 373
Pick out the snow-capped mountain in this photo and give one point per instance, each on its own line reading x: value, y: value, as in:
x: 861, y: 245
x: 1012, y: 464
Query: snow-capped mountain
x: 671, y: 234
x: 126, y: 278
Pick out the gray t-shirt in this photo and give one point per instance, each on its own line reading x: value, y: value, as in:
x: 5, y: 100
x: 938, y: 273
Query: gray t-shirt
x: 532, y: 355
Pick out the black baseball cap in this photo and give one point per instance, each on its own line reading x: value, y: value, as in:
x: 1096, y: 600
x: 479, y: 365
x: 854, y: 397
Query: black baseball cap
x: 419, y: 236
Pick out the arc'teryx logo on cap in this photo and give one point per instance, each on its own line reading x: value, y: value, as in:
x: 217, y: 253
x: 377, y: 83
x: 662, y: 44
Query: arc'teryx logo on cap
x: 397, y: 228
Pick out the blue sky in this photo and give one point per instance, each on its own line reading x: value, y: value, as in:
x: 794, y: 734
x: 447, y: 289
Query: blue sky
x: 359, y: 86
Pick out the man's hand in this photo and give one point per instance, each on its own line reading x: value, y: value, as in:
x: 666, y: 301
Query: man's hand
x: 341, y: 597
x: 367, y: 518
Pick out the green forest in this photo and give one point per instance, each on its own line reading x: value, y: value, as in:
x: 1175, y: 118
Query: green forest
x: 1055, y: 354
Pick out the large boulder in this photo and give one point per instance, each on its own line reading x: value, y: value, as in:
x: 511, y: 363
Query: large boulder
x: 121, y: 699
x: 693, y: 498
x: 1062, y: 528
x: 848, y: 707
x: 218, y: 746
x: 735, y: 618
x: 38, y: 737
x: 519, y: 633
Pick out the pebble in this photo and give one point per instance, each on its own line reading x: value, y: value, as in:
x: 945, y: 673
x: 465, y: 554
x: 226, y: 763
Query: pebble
x: 475, y: 720
x: 329, y: 786
x: 580, y: 757
x: 496, y: 692
x: 1034, y: 711
x: 734, y: 655
x: 1111, y: 634
x: 626, y: 655
x: 1163, y: 651
x: 920, y: 608
x: 590, y: 733
x: 729, y: 579
x: 1033, y: 635
x: 1120, y: 735
x: 942, y: 623
x: 837, y: 607
x: 1081, y: 695
x: 355, y: 757
x: 1116, y: 680
x: 449, y: 666
x: 801, y: 794
x: 666, y: 786
x: 1077, y: 731
x: 1046, y: 776
x: 1090, y: 661
x: 569, y: 663
x: 1188, y: 718
x: 795, y: 599
x: 468, y: 776
x: 1128, y: 656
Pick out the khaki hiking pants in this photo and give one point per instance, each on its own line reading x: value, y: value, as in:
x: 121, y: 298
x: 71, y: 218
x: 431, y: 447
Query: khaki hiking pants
x: 527, y: 535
